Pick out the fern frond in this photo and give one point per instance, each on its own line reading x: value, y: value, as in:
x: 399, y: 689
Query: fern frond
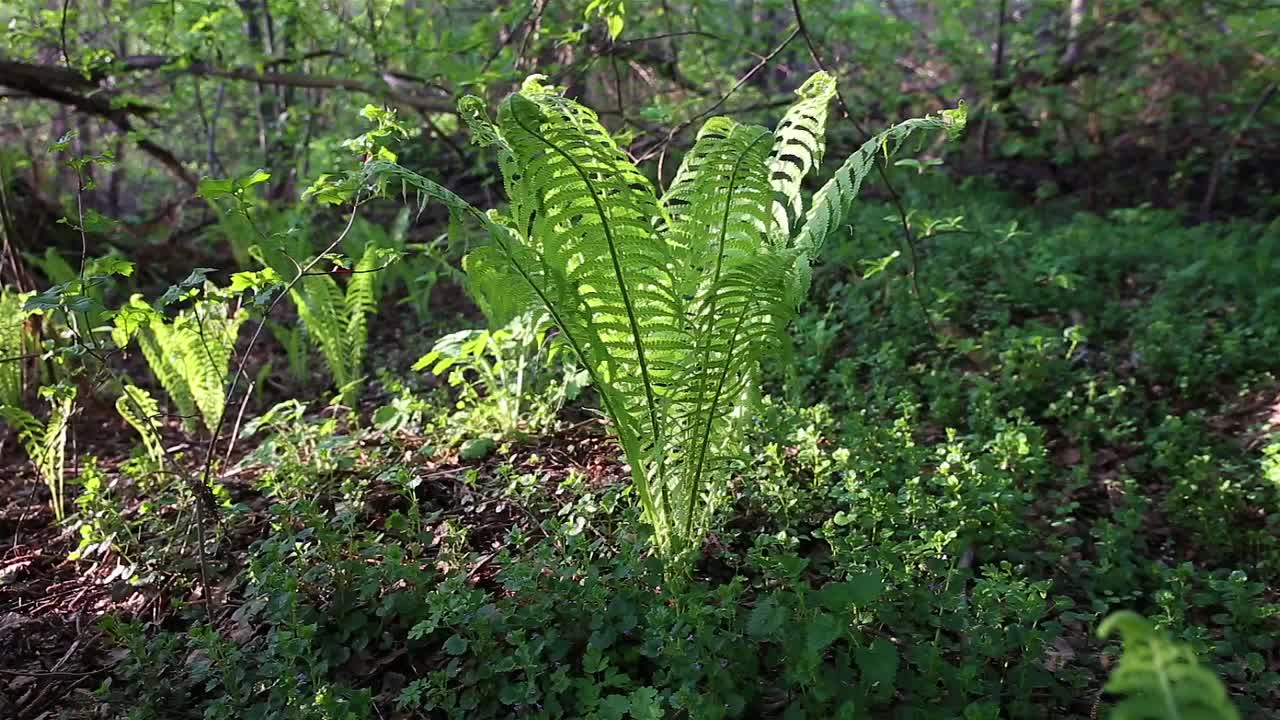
x: 52, y: 460
x: 206, y: 338
x: 54, y: 267
x: 798, y: 148
x: 138, y: 408
x: 587, y: 215
x: 46, y: 443
x: 12, y: 346
x: 28, y: 429
x: 336, y: 321
x: 293, y: 338
x: 360, y: 302
x: 832, y: 203
x: 190, y: 356
x: 165, y: 356
x: 1161, y: 679
x: 322, y: 307
x: 720, y: 212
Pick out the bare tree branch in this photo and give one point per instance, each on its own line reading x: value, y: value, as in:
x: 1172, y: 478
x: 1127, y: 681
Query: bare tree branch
x: 167, y: 63
x: 62, y: 86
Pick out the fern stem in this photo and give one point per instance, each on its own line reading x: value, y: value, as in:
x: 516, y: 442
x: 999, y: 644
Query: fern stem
x: 1162, y: 673
x: 706, y: 435
x: 695, y: 480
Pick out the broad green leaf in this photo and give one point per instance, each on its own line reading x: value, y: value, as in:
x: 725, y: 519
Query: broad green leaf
x: 820, y: 631
x: 878, y: 665
x: 860, y: 590
x: 767, y: 617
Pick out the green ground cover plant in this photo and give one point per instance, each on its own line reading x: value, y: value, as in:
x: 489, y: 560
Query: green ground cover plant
x: 912, y: 531
x: 591, y: 359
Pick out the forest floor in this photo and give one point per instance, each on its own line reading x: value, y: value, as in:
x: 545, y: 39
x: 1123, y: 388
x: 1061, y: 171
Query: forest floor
x: 924, y: 522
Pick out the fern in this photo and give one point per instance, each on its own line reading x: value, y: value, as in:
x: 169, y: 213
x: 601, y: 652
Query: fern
x: 190, y: 356
x: 137, y: 407
x: 164, y: 356
x: 296, y: 351
x: 336, y: 320
x: 360, y: 302
x: 1161, y: 679
x: 13, y: 346
x: 672, y: 302
x: 46, y: 443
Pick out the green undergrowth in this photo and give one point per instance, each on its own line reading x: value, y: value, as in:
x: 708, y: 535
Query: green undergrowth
x: 953, y: 480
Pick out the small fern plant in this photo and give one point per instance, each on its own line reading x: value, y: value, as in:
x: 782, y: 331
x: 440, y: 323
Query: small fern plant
x: 14, y: 346
x: 336, y: 319
x: 190, y: 354
x: 670, y: 301
x: 139, y: 409
x: 1161, y: 679
x: 46, y: 442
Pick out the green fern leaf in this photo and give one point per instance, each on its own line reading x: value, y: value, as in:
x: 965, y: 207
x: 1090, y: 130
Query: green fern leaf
x: 206, y: 338
x: 322, y: 307
x: 52, y: 459
x: 720, y: 208
x: 799, y: 146
x: 587, y: 216
x: 46, y: 443
x: 336, y: 321
x: 1161, y: 679
x: 360, y: 302
x: 28, y: 429
x: 12, y: 346
x: 293, y: 338
x: 139, y: 409
x: 832, y: 203
x: 190, y: 356
x: 164, y: 355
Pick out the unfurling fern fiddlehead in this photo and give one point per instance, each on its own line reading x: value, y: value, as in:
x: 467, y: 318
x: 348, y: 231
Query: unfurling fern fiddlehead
x: 672, y: 302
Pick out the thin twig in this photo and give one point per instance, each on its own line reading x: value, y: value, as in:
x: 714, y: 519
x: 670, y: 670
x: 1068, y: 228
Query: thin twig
x: 53, y: 674
x: 661, y: 147
x: 62, y: 34
x: 93, y: 350
x: 508, y: 39
x: 665, y: 36
x: 235, y: 429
